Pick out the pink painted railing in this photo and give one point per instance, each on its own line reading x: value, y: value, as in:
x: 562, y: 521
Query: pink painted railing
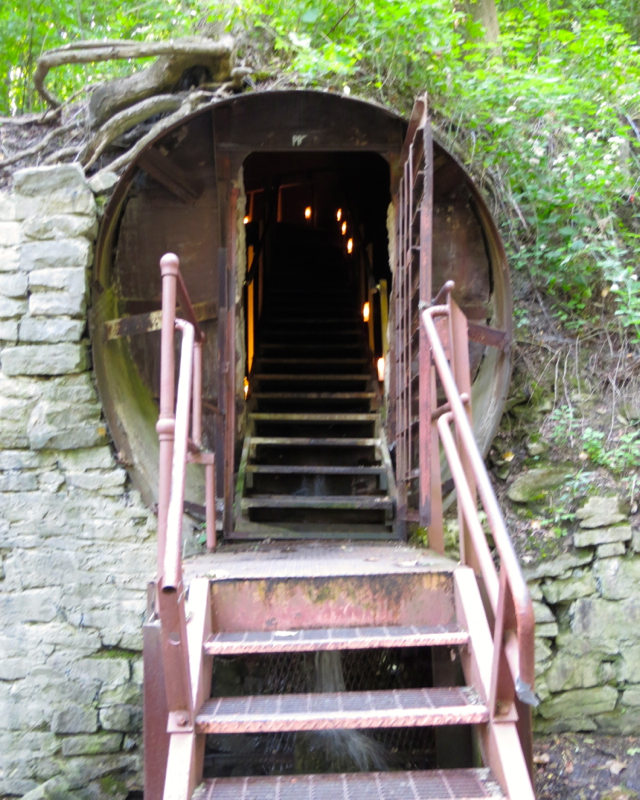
x: 180, y: 433
x: 445, y: 327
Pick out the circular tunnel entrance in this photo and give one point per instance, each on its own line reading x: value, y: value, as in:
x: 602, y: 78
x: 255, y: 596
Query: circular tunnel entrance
x: 302, y: 165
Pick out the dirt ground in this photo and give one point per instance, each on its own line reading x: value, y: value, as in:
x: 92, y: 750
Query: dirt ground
x: 585, y: 766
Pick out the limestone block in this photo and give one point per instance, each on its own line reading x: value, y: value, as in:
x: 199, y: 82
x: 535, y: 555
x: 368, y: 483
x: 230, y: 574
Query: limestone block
x: 7, y: 207
x: 9, y: 331
x: 631, y: 696
x: 81, y: 770
x: 600, y: 512
x: 58, y: 254
x: 629, y: 668
x: 36, y: 605
x: 138, y: 671
x: 24, y: 459
x: 105, y: 670
x: 9, y: 233
x: 13, y: 284
x: 10, y: 307
x: 120, y: 718
x: 45, y: 359
x: 104, y: 481
x: 542, y: 613
x: 621, y: 722
x: 23, y: 715
x: 543, y: 651
x: 75, y: 719
x: 62, y: 425
x: 535, y: 590
x: 102, y: 181
x: 70, y: 279
x: 51, y: 329
x: 579, y: 703
x: 53, y: 789
x: 125, y: 693
x: 55, y: 304
x: 635, y: 541
x: 595, y: 536
x: 80, y: 460
x: 606, y: 624
x: 564, y: 590
x: 47, y: 191
x: 91, y: 745
x: 530, y: 485
x: 11, y: 669
x: 76, y: 389
x: 544, y: 727
x: 547, y: 630
x: 569, y: 671
x: 610, y: 550
x: 618, y: 578
x: 555, y: 567
x: 9, y: 259
x: 61, y: 226
x: 18, y: 481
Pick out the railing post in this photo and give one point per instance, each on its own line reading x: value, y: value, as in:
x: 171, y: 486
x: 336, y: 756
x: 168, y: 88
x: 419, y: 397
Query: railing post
x: 169, y: 268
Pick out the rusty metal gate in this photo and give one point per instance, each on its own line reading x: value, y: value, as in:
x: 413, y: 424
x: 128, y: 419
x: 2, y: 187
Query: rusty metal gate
x: 413, y: 292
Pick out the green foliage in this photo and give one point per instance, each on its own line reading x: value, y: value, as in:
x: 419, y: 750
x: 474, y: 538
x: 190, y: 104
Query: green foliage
x: 546, y: 118
x: 618, y: 455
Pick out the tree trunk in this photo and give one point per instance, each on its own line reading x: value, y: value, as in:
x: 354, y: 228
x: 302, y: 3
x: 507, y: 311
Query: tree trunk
x: 486, y: 13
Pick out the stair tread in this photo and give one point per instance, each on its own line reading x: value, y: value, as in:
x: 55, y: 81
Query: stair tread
x: 401, y: 708
x: 283, y: 416
x: 317, y: 501
x: 437, y: 784
x: 314, y: 360
x: 313, y: 395
x: 316, y: 441
x: 230, y: 643
x: 311, y: 469
x: 366, y: 376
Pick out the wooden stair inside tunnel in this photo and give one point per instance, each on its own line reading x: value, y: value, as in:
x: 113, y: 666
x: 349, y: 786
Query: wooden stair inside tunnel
x: 315, y: 462
x: 407, y: 681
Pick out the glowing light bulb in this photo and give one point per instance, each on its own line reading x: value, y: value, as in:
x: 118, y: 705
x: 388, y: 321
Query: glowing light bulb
x: 246, y: 220
x: 344, y: 228
x: 350, y: 246
x: 339, y: 214
x: 246, y: 388
x: 307, y: 212
x: 380, y: 366
x: 366, y: 309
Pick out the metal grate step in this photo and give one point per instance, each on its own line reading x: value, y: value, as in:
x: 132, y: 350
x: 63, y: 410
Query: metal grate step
x: 344, y: 502
x: 334, y: 639
x: 402, y: 708
x: 311, y: 469
x: 277, y: 416
x: 455, y: 784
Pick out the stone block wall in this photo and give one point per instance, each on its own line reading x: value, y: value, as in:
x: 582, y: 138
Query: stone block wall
x: 77, y: 545
x: 587, y: 605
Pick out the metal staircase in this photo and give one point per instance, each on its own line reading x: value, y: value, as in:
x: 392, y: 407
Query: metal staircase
x: 315, y: 462
x: 321, y: 598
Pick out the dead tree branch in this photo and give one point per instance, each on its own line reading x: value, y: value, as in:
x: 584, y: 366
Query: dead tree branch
x: 174, y: 57
x: 37, y: 148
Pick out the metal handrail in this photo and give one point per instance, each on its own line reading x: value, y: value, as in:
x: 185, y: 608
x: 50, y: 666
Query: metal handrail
x: 180, y: 433
x: 510, y: 581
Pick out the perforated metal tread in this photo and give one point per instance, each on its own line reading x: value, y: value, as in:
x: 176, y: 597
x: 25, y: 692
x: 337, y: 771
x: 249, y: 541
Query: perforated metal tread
x: 402, y: 708
x: 334, y: 639
x: 317, y: 501
x: 459, y: 784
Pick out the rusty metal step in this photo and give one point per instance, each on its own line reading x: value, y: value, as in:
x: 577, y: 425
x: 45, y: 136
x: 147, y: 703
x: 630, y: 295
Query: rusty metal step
x: 258, y: 416
x: 454, y: 784
x: 314, y: 395
x: 311, y: 469
x: 303, y: 441
x: 311, y: 378
x: 305, y: 641
x: 334, y: 502
x: 315, y: 360
x: 401, y: 708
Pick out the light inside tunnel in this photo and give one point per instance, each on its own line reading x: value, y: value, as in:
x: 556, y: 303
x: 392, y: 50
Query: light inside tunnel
x: 380, y: 367
x: 307, y: 212
x: 365, y: 312
x: 350, y: 246
x: 339, y: 214
x: 344, y: 228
